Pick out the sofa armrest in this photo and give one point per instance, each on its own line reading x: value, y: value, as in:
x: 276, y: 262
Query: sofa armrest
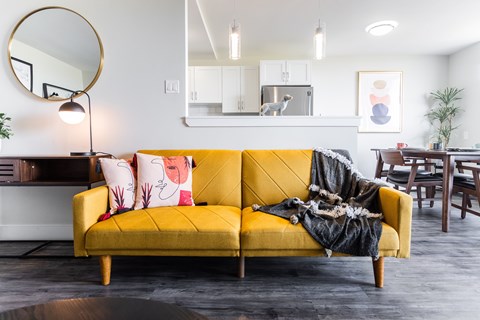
x: 87, y: 207
x: 397, y: 210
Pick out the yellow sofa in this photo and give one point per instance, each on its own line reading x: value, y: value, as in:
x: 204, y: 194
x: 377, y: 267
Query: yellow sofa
x: 230, y: 182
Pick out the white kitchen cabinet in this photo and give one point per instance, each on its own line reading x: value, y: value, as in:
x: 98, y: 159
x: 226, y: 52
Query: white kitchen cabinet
x: 205, y: 84
x: 285, y: 72
x: 240, y: 89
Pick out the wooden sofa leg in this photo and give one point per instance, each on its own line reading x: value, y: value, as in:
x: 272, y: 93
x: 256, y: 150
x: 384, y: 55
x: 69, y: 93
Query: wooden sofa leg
x: 105, y: 269
x: 241, y: 267
x: 378, y: 272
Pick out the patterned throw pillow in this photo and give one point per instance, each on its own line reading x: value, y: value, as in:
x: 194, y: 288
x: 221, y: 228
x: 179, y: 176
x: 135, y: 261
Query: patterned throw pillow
x: 121, y: 184
x: 163, y: 181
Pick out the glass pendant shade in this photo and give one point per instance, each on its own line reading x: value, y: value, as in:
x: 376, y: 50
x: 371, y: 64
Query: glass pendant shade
x: 319, y: 41
x: 234, y: 41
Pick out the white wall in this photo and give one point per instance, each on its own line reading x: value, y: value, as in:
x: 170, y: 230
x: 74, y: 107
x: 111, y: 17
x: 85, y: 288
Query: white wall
x: 464, y: 70
x: 144, y: 43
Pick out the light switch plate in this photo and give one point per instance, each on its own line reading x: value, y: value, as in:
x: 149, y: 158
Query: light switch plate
x: 172, y: 86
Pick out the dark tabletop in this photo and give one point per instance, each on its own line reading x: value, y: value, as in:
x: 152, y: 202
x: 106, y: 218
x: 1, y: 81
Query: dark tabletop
x: 102, y: 308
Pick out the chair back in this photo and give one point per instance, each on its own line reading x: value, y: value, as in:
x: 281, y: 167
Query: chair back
x: 471, y: 177
x: 392, y: 157
x: 413, y: 177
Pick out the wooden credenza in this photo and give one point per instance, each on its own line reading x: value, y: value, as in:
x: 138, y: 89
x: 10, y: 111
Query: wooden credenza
x: 50, y: 170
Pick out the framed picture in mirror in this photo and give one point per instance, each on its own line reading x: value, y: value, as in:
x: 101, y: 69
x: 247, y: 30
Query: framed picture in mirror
x: 52, y: 92
x: 24, y: 72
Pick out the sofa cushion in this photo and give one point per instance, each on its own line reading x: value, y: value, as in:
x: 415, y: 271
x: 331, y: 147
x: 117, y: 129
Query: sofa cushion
x: 169, y: 228
x: 121, y: 183
x: 270, y: 176
x: 262, y: 231
x: 163, y: 181
x: 216, y: 178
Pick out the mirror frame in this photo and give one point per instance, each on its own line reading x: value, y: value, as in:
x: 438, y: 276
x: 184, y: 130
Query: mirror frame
x: 100, y: 66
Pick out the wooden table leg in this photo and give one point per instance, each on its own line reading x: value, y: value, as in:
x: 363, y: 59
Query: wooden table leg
x: 448, y: 169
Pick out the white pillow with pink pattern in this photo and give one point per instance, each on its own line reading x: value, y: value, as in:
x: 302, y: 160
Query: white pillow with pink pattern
x: 120, y: 179
x: 163, y: 181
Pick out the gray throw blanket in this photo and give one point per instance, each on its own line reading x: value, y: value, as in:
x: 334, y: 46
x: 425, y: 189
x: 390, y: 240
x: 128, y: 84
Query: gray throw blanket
x: 342, y: 213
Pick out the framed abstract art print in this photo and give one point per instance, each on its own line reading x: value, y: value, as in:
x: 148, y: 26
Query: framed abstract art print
x: 380, y: 101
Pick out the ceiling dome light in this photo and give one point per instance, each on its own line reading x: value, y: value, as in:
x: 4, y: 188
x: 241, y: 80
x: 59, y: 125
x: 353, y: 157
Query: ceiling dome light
x: 381, y: 28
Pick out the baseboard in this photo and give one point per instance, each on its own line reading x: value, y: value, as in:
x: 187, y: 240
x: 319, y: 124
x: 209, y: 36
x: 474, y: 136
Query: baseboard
x: 36, y: 232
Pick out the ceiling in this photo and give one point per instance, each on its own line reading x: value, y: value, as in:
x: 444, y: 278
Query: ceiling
x: 283, y: 29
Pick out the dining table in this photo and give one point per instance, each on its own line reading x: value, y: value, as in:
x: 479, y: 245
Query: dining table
x: 448, y: 157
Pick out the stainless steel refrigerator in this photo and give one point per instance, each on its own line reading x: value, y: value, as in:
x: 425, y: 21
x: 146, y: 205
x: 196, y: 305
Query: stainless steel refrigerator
x: 300, y: 105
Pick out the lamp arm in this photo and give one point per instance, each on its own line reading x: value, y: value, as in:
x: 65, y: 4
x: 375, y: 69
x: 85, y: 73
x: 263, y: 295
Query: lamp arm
x: 89, y: 113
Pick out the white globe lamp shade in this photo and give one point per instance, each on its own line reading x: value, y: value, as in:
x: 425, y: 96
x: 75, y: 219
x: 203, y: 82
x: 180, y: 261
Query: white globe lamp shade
x: 71, y: 112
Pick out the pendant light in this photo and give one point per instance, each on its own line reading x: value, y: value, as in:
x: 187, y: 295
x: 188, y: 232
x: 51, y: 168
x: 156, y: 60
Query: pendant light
x: 319, y: 38
x: 234, y: 40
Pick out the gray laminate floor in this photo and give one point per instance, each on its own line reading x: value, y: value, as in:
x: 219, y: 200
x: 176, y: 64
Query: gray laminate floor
x: 440, y: 281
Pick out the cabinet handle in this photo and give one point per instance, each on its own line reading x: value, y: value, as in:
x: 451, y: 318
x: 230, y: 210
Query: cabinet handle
x: 283, y: 76
x: 288, y: 76
x: 196, y: 96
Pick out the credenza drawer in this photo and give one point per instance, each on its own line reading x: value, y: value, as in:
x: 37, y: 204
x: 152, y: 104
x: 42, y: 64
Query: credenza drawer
x: 9, y: 170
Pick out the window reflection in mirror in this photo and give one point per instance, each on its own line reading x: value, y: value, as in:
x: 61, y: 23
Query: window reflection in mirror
x: 52, y: 48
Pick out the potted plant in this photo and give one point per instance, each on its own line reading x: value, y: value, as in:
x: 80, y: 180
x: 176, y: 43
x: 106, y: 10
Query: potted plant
x: 5, y: 130
x: 443, y: 113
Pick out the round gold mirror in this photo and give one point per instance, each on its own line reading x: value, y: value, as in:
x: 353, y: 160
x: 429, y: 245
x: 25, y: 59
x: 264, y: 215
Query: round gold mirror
x: 54, y: 51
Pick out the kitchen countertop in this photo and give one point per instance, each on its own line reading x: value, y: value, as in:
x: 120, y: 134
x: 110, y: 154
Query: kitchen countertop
x: 270, y: 121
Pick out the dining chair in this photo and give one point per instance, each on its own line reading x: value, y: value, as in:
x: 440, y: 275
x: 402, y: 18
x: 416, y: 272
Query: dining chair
x: 380, y: 171
x: 468, y: 185
x: 405, y: 172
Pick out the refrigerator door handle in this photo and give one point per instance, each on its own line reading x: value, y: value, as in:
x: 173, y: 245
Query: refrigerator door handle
x: 309, y: 103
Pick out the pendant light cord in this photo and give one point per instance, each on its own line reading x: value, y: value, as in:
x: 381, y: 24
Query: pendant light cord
x: 234, y: 12
x: 319, y: 12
